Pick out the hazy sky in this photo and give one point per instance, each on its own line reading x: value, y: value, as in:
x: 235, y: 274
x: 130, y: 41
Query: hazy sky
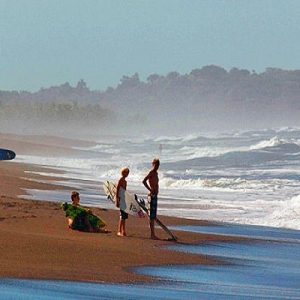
x: 49, y: 42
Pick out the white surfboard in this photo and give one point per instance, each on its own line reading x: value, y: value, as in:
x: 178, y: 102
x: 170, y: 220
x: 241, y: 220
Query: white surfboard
x: 130, y: 206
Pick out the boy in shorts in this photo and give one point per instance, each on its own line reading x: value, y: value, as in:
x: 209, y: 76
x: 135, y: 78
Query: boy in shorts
x: 151, y: 184
x: 120, y: 201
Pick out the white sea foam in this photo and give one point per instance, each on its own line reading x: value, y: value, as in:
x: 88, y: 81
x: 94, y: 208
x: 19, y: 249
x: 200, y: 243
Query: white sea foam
x: 274, y: 141
x: 182, y: 139
x: 229, y: 184
x: 289, y: 129
x: 249, y: 178
x: 168, y: 138
x: 104, y: 148
x: 286, y: 214
x: 189, y: 152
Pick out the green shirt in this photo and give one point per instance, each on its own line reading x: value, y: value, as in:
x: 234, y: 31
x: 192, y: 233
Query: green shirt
x: 77, y: 213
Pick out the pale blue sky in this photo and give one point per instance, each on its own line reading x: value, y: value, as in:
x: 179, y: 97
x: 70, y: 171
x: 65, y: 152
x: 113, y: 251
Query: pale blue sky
x: 49, y: 42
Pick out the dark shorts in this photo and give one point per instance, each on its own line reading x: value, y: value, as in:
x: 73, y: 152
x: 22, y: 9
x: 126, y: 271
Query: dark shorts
x: 153, y: 207
x: 123, y: 215
x: 79, y: 222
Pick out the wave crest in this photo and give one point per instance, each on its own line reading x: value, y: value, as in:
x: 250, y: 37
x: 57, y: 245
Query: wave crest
x: 277, y: 144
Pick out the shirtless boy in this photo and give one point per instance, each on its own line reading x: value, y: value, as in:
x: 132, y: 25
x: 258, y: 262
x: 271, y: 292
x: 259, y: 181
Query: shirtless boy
x: 151, y: 184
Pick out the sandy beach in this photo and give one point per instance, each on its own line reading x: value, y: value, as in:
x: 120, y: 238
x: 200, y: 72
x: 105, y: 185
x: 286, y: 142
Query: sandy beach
x: 36, y: 242
x: 212, y: 259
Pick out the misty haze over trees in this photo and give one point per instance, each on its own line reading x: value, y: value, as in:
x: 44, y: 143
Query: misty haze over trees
x: 206, y: 99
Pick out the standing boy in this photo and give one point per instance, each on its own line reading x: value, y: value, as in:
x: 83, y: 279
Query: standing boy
x: 151, y: 184
x: 120, y: 201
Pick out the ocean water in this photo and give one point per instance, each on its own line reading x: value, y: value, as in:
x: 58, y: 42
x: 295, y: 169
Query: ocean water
x: 252, y: 269
x: 244, y: 177
x: 249, y: 178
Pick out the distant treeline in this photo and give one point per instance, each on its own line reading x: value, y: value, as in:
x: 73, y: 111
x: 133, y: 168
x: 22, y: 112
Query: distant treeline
x: 52, y: 112
x: 209, y: 98
x: 238, y: 84
x: 51, y: 117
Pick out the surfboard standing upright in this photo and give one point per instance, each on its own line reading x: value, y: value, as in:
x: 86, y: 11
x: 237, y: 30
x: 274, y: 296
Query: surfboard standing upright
x: 131, y: 206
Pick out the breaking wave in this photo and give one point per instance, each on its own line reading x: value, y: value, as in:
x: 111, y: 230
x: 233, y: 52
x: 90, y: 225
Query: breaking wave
x: 286, y: 214
x: 223, y: 184
x: 277, y: 144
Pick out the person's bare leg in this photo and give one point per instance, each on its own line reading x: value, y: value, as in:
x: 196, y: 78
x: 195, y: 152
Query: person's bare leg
x: 70, y: 222
x: 123, y: 228
x: 120, y: 228
x: 152, y: 228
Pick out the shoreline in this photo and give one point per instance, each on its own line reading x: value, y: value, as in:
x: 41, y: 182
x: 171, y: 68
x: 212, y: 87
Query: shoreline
x: 38, y: 243
x: 40, y: 255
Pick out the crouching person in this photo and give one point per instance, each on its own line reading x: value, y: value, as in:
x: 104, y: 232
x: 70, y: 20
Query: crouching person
x: 80, y: 218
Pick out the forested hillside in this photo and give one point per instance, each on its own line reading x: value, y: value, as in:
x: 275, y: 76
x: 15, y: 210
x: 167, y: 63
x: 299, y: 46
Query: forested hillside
x: 210, y: 98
